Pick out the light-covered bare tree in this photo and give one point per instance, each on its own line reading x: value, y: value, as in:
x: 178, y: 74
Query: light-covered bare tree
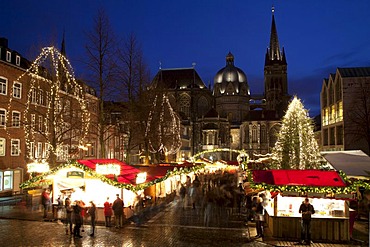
x: 134, y: 76
x: 101, y: 49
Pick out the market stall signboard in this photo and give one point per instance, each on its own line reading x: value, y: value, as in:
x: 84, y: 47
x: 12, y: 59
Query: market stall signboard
x: 107, y: 169
x: 75, y: 174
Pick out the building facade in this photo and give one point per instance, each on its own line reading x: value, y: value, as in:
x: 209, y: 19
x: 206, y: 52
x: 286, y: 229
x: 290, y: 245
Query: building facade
x: 37, y: 115
x: 228, y: 115
x: 345, y: 104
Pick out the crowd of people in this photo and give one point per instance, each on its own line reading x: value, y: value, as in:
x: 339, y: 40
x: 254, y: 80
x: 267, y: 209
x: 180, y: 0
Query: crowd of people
x: 215, y: 196
x: 74, y: 214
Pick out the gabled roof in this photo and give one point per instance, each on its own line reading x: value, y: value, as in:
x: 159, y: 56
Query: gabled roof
x: 314, y: 178
x: 177, y: 78
x: 354, y: 72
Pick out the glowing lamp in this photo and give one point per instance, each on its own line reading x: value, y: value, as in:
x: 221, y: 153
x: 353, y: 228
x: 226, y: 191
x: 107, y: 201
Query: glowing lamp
x: 141, y: 178
x: 106, y: 169
x: 37, y: 167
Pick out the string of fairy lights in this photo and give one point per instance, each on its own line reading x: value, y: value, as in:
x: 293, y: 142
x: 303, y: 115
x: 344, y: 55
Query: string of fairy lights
x: 48, y: 72
x: 163, y: 127
x: 42, y: 180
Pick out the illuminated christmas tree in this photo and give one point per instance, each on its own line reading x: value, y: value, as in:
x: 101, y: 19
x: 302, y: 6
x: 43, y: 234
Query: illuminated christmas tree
x: 296, y: 147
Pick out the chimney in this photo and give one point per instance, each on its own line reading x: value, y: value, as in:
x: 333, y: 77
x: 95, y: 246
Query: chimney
x: 4, y: 42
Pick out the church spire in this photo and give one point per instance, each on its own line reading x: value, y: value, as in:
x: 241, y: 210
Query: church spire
x: 274, y: 53
x: 63, y: 48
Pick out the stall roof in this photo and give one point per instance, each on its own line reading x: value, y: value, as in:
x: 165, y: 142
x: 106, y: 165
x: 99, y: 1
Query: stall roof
x: 159, y: 171
x: 353, y: 163
x: 127, y: 175
x: 299, y: 177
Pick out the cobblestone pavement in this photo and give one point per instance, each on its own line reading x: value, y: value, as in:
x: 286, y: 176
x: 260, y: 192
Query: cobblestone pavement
x: 170, y: 226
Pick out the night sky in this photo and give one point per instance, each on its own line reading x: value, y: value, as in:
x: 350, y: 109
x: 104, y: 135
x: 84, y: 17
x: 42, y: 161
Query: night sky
x: 318, y: 36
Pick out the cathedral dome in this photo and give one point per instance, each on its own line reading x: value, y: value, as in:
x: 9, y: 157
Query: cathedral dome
x: 230, y: 80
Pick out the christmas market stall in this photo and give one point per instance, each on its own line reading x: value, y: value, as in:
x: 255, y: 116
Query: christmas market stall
x: 328, y: 192
x: 168, y: 178
x: 95, y: 180
x: 90, y: 180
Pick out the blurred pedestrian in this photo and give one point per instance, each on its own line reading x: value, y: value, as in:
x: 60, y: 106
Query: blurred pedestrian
x: 108, y: 213
x: 182, y: 195
x: 259, y: 217
x: 77, y: 218
x: 118, y: 211
x: 45, y: 201
x: 91, y: 211
x: 59, y: 209
x: 69, y: 210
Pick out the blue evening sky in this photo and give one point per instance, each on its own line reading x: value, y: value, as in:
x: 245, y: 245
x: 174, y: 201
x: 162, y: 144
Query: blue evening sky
x: 318, y: 36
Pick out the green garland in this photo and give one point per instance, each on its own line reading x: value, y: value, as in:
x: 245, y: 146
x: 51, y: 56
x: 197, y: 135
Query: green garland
x: 38, y: 180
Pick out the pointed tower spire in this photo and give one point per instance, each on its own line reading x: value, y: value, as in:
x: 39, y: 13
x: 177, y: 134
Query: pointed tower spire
x: 274, y: 41
x: 63, y: 48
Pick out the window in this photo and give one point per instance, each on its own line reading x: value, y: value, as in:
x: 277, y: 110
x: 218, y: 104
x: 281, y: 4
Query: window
x: 33, y: 121
x: 8, y: 56
x: 15, y: 147
x: 2, y: 146
x: 18, y: 60
x: 17, y: 90
x: 3, y: 85
x: 8, y: 180
x: 33, y: 96
x: 41, y: 97
x: 46, y: 150
x: 32, y: 150
x: 16, y: 119
x: 2, y: 117
x: 40, y: 123
x: 46, y: 125
x: 39, y: 150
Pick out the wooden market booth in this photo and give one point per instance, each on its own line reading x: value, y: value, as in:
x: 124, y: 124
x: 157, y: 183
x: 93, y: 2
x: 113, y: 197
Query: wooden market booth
x: 97, y: 179
x: 288, y: 189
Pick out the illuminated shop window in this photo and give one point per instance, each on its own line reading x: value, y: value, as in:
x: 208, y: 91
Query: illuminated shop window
x: 8, y: 180
x: 340, y: 111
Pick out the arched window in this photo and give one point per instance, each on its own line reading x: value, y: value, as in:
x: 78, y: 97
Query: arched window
x: 184, y: 104
x: 263, y: 134
x: 203, y: 106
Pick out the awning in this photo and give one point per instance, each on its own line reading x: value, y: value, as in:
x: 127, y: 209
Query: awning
x: 299, y: 177
x: 127, y: 173
x: 353, y: 163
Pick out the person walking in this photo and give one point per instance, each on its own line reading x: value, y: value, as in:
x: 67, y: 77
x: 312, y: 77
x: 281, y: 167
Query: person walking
x: 69, y: 210
x: 259, y: 217
x: 77, y: 218
x: 306, y: 209
x: 45, y: 201
x: 59, y: 210
x: 118, y: 211
x: 91, y: 211
x: 108, y: 213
